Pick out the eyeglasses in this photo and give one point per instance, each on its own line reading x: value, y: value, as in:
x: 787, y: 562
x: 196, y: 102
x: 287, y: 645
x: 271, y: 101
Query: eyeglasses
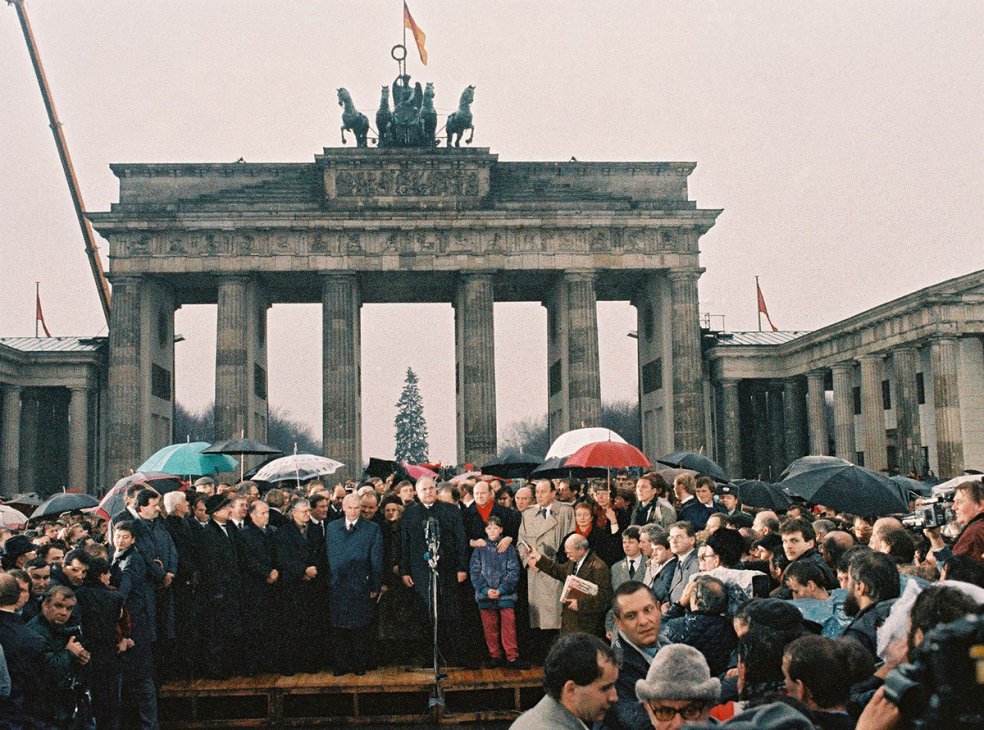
x: 687, y: 712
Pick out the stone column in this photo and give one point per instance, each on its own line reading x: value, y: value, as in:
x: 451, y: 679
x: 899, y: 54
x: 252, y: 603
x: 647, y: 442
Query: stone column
x: 777, y: 430
x: 843, y: 376
x: 731, y: 428
x: 30, y: 415
x: 908, y: 433
x: 11, y: 440
x: 759, y: 410
x: 232, y: 364
x: 475, y: 353
x: 688, y: 394
x: 873, y: 412
x: 125, y: 387
x: 949, y: 437
x: 584, y: 372
x: 792, y: 419
x: 78, y: 439
x: 342, y: 370
x: 817, y: 412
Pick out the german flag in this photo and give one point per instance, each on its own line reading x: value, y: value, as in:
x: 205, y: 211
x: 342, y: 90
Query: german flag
x: 418, y: 35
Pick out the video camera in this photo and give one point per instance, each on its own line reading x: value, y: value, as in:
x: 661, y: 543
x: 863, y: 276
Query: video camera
x: 931, y: 512
x: 943, y: 686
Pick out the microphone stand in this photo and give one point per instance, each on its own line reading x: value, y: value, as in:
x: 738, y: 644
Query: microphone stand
x: 432, y: 531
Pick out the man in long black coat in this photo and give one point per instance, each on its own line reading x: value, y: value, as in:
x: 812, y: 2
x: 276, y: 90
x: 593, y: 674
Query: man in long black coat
x: 257, y: 562
x: 452, y: 563
x: 189, y: 609
x: 24, y: 654
x: 298, y: 570
x: 222, y: 632
x: 316, y: 539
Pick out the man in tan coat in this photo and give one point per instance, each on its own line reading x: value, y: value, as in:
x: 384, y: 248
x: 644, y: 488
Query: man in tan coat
x: 545, y: 525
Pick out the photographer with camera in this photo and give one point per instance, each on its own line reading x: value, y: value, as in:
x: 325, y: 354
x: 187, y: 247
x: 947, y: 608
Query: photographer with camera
x: 64, y: 656
x: 968, y: 509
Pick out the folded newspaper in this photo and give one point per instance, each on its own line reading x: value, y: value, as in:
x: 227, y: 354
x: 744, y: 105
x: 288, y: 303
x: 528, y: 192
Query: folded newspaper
x: 575, y: 587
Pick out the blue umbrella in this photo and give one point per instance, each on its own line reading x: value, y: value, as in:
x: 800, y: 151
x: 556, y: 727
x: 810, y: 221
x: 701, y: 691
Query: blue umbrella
x: 188, y: 460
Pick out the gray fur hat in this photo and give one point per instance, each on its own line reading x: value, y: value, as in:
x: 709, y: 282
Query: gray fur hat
x: 679, y: 672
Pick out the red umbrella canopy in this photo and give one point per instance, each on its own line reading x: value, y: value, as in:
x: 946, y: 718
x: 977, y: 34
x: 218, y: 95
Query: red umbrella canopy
x: 608, y: 455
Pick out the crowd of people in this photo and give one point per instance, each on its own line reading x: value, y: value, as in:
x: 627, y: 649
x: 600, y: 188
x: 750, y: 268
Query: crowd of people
x: 650, y: 604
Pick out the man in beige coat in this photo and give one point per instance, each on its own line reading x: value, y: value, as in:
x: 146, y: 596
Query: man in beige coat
x: 545, y: 525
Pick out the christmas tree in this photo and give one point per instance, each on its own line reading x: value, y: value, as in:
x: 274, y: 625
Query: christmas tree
x: 411, y: 428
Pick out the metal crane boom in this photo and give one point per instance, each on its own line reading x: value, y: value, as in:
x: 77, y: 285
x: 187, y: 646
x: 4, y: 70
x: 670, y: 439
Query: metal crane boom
x: 95, y: 263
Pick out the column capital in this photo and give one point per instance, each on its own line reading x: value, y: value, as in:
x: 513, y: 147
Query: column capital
x: 570, y: 275
x: 943, y: 338
x: 843, y: 367
x: 232, y: 278
x: 816, y: 373
x: 328, y: 276
x: 127, y: 279
x: 907, y: 347
x: 872, y: 357
x: 476, y: 274
x: 10, y: 388
x: 729, y: 381
x: 684, y: 274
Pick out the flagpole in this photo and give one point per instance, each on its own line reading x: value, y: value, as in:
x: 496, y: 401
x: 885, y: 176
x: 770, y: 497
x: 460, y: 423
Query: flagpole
x: 757, y: 307
x: 37, y: 298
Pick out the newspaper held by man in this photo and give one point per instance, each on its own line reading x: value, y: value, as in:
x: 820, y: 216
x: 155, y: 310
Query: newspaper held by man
x: 575, y: 588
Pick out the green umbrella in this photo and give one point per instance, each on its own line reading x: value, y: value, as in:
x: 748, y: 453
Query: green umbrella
x: 188, y: 460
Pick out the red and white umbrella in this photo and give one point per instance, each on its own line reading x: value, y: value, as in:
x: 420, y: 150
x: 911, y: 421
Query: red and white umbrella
x: 608, y: 455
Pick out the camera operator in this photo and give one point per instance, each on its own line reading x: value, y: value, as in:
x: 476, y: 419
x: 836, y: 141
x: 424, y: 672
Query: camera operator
x: 968, y: 508
x: 64, y: 655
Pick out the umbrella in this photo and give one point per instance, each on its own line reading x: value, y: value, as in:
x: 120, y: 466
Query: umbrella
x: 188, y: 459
x: 114, y: 502
x: 669, y: 473
x: 512, y: 466
x: 847, y: 488
x: 955, y: 482
x: 24, y: 501
x: 11, y: 518
x: 381, y: 468
x: 465, y: 477
x: 557, y: 467
x: 242, y: 447
x: 64, y: 502
x: 415, y: 471
x: 567, y: 443
x: 755, y: 493
x: 806, y: 463
x: 608, y: 455
x: 912, y: 485
x: 697, y: 462
x: 298, y: 467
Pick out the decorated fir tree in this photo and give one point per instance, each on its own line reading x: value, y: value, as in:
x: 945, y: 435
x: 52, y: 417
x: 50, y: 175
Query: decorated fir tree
x: 411, y: 428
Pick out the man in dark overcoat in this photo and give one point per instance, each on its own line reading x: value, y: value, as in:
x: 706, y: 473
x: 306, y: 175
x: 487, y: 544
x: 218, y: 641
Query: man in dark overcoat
x: 355, y: 570
x: 258, y: 570
x: 189, y: 609
x: 452, y: 561
x: 298, y: 570
x: 222, y: 630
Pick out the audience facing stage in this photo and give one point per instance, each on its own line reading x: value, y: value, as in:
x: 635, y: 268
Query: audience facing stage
x: 388, y: 696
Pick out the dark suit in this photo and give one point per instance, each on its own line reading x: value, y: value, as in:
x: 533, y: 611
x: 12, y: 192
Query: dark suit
x: 628, y: 713
x: 24, y: 653
x: 189, y: 609
x: 317, y: 535
x: 257, y: 556
x: 294, y: 556
x: 695, y: 513
x: 590, y: 615
x: 452, y: 559
x: 355, y: 565
x: 222, y: 631
x: 475, y: 526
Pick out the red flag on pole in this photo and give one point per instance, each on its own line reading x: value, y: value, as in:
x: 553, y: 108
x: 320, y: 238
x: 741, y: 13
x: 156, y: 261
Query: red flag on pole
x: 418, y: 34
x: 762, y: 308
x: 39, y: 316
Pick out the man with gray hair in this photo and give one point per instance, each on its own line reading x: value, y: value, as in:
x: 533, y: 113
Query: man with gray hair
x: 707, y: 626
x: 585, y: 613
x: 679, y: 683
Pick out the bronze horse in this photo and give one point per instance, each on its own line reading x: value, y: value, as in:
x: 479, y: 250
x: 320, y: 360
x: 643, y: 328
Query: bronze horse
x: 428, y: 116
x: 461, y: 120
x: 384, y: 118
x: 352, y: 119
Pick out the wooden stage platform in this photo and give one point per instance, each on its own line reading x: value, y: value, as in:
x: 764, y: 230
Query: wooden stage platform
x: 382, y: 698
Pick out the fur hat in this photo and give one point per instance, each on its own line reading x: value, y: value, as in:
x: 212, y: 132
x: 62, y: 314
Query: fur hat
x: 16, y: 546
x: 216, y: 502
x: 679, y: 672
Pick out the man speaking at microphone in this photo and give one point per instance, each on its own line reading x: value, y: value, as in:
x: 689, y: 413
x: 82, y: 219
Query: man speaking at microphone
x: 452, y: 564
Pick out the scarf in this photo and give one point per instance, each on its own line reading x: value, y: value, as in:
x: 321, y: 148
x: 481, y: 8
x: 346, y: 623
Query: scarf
x: 486, y: 511
x: 585, y: 531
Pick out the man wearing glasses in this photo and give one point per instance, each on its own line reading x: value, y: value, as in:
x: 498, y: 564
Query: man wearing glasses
x: 679, y: 689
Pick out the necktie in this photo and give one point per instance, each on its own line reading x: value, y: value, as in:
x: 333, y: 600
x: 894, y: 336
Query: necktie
x: 632, y: 569
x: 576, y: 566
x: 543, y: 512
x: 350, y: 528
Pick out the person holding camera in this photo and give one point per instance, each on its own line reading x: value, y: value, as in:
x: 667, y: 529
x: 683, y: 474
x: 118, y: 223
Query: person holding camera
x: 64, y: 656
x: 968, y: 508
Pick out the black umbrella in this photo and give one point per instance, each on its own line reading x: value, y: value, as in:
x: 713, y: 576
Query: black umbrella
x: 512, y: 466
x: 64, y: 502
x: 555, y: 468
x: 807, y: 463
x: 27, y: 500
x: 381, y: 468
x: 921, y: 489
x: 755, y: 493
x: 847, y: 488
x: 696, y: 462
x: 242, y: 446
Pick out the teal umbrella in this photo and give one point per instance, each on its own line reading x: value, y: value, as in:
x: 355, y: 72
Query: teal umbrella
x: 188, y: 460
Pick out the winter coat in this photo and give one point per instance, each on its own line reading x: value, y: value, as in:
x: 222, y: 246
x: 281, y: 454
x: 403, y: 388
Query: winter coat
x: 355, y: 570
x: 452, y: 557
x: 712, y: 636
x: 545, y: 534
x: 590, y: 615
x: 492, y: 570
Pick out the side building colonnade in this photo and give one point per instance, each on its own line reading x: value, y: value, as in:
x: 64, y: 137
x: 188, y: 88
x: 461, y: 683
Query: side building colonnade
x: 897, y: 388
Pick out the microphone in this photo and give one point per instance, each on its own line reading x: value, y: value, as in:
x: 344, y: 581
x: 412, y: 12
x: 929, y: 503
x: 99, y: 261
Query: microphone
x: 432, y: 534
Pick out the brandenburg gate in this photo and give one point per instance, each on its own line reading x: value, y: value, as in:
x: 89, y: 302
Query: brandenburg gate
x: 389, y: 225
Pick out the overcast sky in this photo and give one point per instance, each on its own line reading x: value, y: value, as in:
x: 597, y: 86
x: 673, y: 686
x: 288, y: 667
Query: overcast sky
x: 843, y: 141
